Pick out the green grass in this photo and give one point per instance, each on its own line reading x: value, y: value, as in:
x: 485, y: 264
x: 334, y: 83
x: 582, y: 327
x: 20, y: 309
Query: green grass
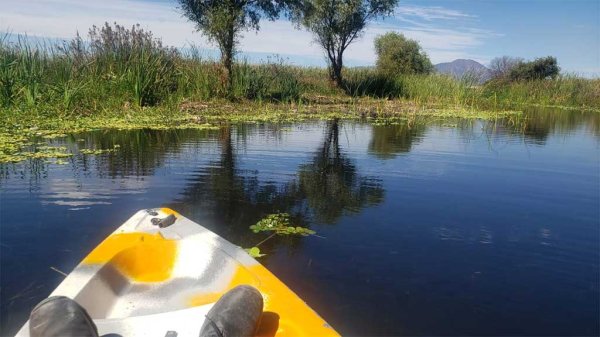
x: 565, y: 91
x: 71, y: 78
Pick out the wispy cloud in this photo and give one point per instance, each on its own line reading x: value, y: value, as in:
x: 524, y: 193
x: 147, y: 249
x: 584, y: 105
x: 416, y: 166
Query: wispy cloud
x: 63, y: 18
x: 446, y: 34
x: 432, y: 13
x: 441, y: 44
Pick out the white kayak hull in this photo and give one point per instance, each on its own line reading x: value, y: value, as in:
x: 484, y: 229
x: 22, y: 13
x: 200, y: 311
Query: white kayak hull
x: 144, y: 280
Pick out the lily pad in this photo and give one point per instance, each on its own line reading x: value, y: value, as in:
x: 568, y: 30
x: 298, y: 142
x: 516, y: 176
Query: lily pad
x: 254, y: 252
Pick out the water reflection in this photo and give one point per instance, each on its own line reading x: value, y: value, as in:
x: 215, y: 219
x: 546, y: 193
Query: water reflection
x: 331, y: 183
x: 140, y: 151
x: 501, y: 239
x: 387, y: 142
x: 537, y: 124
x: 229, y: 199
x: 225, y: 197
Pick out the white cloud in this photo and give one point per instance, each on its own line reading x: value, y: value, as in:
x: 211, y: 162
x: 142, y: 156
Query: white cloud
x: 63, y: 18
x: 441, y: 44
x: 432, y: 13
x: 280, y: 37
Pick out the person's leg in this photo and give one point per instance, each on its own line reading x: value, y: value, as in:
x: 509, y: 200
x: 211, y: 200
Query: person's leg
x: 60, y: 316
x: 236, y: 314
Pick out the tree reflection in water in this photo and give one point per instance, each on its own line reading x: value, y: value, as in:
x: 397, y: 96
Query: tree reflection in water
x: 228, y: 199
x: 331, y: 184
x: 387, y: 141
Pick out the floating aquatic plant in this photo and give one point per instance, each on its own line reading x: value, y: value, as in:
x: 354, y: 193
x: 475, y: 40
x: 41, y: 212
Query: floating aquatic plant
x: 278, y: 224
x: 20, y: 129
x: 99, y: 151
x: 254, y: 252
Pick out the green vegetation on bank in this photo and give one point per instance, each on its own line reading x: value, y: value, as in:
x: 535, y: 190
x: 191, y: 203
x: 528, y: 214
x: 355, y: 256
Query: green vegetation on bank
x: 126, y: 79
x: 223, y: 21
x: 508, y: 68
x: 118, y: 68
x: 337, y: 24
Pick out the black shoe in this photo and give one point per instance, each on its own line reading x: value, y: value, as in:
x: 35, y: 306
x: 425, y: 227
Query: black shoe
x: 60, y: 316
x: 236, y: 314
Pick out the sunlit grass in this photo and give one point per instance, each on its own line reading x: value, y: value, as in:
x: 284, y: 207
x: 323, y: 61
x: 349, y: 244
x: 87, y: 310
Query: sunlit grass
x: 52, y: 80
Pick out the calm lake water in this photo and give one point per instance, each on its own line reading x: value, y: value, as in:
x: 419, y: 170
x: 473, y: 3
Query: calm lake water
x: 448, y: 228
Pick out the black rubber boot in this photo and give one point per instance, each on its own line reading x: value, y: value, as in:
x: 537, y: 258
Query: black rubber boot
x: 236, y: 314
x: 60, y: 316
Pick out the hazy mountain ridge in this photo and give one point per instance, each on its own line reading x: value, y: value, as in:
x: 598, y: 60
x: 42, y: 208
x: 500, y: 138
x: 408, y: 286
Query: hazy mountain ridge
x: 461, y: 67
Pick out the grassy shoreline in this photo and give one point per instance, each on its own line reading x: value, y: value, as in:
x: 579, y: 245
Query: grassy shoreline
x: 112, y: 72
x: 133, y: 82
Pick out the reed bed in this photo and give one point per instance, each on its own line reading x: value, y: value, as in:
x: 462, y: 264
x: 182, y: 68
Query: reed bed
x: 117, y: 68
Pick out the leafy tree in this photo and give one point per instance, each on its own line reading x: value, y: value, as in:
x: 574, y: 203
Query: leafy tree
x: 335, y: 24
x: 541, y: 68
x: 222, y: 21
x: 502, y: 66
x: 398, y: 55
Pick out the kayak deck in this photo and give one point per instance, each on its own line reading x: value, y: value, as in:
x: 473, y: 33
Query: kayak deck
x: 148, y: 280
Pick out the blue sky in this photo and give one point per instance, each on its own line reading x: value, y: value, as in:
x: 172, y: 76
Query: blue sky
x: 447, y: 30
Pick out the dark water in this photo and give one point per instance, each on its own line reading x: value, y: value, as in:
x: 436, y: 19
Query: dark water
x: 448, y: 228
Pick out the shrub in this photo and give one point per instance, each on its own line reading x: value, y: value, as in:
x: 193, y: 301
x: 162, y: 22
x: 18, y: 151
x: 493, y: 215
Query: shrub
x: 500, y: 67
x: 539, y: 69
x: 398, y: 55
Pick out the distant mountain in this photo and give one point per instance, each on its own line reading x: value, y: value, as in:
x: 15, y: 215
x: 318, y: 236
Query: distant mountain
x: 460, y: 68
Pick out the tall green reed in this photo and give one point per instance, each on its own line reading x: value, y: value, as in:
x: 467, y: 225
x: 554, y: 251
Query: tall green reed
x: 117, y: 67
x: 9, y: 59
